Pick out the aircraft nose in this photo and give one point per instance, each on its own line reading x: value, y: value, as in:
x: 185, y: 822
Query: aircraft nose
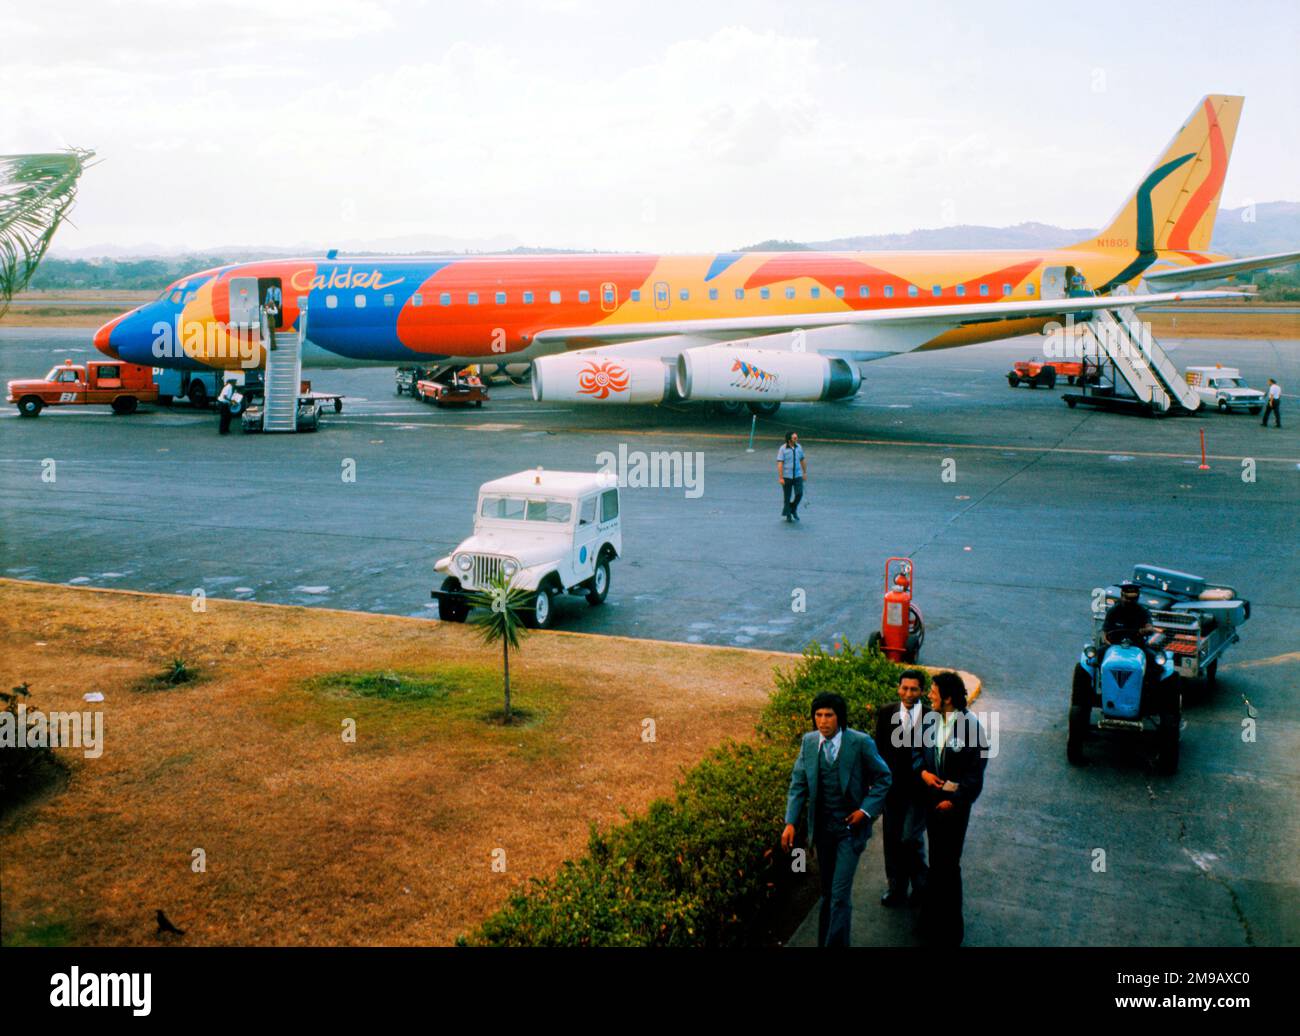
x: 103, y: 338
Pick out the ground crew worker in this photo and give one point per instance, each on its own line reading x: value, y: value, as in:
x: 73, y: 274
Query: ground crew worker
x: 1129, y: 620
x: 791, y: 470
x: 229, y: 403
x: 1273, y: 404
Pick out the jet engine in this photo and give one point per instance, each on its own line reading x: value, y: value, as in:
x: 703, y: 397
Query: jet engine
x: 589, y: 377
x: 764, y: 375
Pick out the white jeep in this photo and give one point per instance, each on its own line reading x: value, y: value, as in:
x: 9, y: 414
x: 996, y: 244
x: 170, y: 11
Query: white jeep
x: 547, y: 532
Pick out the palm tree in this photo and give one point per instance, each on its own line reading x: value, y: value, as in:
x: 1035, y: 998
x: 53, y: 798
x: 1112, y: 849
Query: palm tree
x: 36, y: 192
x: 499, y: 620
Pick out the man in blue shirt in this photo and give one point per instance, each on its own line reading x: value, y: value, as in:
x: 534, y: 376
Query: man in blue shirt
x: 791, y: 470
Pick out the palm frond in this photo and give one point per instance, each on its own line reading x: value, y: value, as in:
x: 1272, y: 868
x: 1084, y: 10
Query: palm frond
x: 36, y: 193
x: 499, y: 618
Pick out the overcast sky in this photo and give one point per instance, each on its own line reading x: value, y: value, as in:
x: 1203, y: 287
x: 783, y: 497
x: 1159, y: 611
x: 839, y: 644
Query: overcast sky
x: 668, y: 126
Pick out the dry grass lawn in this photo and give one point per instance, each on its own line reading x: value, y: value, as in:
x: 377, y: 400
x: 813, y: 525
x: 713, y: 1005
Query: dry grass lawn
x: 310, y: 840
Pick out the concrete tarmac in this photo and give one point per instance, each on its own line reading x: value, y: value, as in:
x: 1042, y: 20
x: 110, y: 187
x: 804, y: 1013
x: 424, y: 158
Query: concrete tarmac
x: 1013, y: 507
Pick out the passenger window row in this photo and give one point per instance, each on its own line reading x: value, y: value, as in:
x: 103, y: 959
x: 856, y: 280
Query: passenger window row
x: 501, y: 298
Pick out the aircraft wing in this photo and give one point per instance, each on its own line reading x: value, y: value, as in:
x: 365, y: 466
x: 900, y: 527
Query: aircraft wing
x: 914, y: 323
x: 1205, y: 273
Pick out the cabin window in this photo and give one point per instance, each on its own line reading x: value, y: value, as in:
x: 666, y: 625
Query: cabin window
x: 472, y: 298
x: 661, y: 293
x: 913, y: 291
x: 713, y: 294
x: 584, y: 296
x: 864, y: 292
x: 815, y: 292
x: 331, y: 302
x: 555, y: 297
x: 961, y: 291
x: 417, y: 299
x: 360, y: 302
x: 764, y: 293
x: 1006, y: 289
x: 501, y: 298
x: 444, y: 299
x: 789, y: 293
x: 936, y: 291
x: 388, y: 299
x: 684, y: 295
x: 1029, y: 289
x: 889, y: 291
x: 984, y: 290
x: 635, y: 294
x: 839, y: 291
x: 740, y: 293
x: 609, y: 296
x: 528, y: 298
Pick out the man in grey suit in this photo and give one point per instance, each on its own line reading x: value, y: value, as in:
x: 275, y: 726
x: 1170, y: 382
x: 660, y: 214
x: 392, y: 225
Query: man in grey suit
x: 838, y: 786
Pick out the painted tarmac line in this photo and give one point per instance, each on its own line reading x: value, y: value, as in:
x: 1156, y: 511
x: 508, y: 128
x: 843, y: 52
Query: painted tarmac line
x: 739, y: 437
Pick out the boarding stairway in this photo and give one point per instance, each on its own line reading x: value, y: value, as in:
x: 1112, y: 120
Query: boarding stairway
x: 1136, y: 357
x: 283, y: 377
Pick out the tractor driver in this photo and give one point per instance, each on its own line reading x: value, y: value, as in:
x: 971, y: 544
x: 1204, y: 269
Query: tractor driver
x: 1126, y: 619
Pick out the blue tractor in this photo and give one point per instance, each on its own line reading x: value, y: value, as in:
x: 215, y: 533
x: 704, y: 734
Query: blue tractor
x: 1130, y: 685
x: 1161, y: 628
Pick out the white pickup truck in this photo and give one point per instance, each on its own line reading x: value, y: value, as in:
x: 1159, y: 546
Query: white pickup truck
x: 547, y: 532
x: 1222, y: 387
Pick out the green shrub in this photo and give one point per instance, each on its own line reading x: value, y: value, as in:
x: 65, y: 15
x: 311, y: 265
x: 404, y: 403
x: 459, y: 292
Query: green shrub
x: 703, y: 868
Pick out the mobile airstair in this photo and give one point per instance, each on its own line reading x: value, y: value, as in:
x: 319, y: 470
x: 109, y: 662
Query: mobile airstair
x: 1137, y: 375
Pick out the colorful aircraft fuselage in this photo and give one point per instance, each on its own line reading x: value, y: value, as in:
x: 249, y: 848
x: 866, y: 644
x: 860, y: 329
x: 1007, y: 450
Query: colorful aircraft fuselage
x: 484, y: 308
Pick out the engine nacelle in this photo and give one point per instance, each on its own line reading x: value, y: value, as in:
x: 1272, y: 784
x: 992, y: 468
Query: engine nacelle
x: 764, y: 375
x: 589, y: 377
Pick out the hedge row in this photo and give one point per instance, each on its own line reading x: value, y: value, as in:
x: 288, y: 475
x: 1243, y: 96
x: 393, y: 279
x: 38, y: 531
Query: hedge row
x: 704, y: 867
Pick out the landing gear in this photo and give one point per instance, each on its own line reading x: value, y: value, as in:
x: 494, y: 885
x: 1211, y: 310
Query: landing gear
x: 763, y: 409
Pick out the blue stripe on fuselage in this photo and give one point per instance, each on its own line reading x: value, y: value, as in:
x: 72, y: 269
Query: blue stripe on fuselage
x: 369, y: 332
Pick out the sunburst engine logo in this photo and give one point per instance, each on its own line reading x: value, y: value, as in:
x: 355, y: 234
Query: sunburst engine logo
x: 598, y: 380
x: 752, y: 377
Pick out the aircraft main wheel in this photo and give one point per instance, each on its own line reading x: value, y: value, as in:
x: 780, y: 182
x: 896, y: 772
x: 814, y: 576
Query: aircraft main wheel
x: 599, y: 585
x: 30, y: 406
x: 764, y: 409
x: 125, y: 405
x: 729, y: 407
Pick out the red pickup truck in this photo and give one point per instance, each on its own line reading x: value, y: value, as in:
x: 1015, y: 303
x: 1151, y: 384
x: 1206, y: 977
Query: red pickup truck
x: 123, y: 386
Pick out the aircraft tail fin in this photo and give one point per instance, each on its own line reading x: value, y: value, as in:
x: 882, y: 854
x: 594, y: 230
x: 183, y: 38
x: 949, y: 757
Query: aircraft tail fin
x: 1175, y: 204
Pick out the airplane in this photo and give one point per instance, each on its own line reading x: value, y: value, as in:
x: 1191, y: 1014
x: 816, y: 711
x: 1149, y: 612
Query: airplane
x: 738, y: 328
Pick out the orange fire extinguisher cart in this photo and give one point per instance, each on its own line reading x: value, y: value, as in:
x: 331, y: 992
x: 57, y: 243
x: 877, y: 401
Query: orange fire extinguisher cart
x: 902, y: 630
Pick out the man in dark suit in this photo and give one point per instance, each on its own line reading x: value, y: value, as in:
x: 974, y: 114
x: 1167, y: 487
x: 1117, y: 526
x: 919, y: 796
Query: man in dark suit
x: 898, y: 735
x: 951, y: 765
x: 838, y: 787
